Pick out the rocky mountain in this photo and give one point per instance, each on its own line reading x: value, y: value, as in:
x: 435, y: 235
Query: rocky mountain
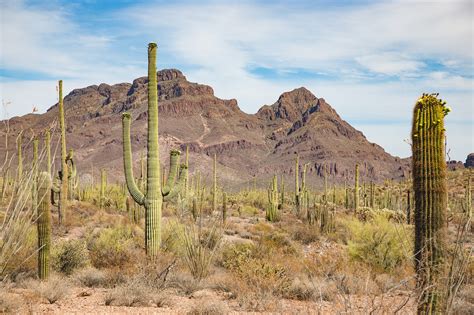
x: 190, y: 115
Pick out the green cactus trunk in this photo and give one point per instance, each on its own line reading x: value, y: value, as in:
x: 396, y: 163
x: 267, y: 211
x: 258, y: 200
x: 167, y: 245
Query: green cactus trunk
x: 43, y: 224
x: 63, y: 193
x: 430, y: 192
x: 272, y: 209
x: 356, y: 188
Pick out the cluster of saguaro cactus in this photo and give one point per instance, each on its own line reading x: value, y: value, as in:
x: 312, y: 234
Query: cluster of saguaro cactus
x: 430, y: 193
x: 152, y: 198
x: 272, y: 209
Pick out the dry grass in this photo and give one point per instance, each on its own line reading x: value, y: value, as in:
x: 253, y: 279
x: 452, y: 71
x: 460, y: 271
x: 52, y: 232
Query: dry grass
x: 54, y: 289
x: 207, y: 307
x: 91, y: 277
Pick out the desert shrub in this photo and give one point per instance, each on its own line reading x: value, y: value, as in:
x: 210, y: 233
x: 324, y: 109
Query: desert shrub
x: 276, y: 242
x: 9, y: 303
x: 257, y: 199
x: 184, y: 283
x: 23, y: 260
x: 171, y: 240
x: 113, y: 247
x: 91, y: 277
x: 258, y: 273
x: 305, y: 234
x: 208, y: 308
x: 199, y: 250
x: 300, y: 289
x: 54, y: 289
x: 379, y: 243
x: 69, y: 255
x: 131, y: 294
x: 249, y: 210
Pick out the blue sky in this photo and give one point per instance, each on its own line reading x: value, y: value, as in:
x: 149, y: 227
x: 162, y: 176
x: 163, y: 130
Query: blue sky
x: 369, y: 59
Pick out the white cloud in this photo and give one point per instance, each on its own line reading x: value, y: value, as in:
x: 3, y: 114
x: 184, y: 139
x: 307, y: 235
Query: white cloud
x: 390, y: 64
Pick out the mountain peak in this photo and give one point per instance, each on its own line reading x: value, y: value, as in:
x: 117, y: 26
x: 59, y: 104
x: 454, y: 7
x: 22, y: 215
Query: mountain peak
x: 290, y: 105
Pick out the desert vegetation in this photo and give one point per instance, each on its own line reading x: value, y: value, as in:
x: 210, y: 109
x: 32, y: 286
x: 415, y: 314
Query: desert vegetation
x: 173, y: 241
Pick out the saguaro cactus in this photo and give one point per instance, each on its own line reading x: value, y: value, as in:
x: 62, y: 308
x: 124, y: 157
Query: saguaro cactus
x: 430, y: 192
x: 34, y: 196
x: 356, y: 188
x: 43, y: 224
x: 63, y: 175
x: 272, y: 209
x: 152, y: 199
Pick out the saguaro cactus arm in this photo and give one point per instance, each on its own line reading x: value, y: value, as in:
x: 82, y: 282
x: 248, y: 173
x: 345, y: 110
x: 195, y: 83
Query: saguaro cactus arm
x: 174, y: 162
x: 180, y: 185
x: 135, y: 192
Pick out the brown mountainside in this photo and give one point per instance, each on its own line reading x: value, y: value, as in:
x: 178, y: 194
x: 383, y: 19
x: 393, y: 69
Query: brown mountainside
x: 190, y: 115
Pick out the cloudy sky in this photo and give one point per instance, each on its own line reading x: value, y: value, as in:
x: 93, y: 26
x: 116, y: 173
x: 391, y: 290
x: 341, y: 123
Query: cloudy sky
x: 369, y: 59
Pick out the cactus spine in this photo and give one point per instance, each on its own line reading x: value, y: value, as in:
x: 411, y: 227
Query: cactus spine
x: 430, y: 192
x: 64, y: 176
x: 43, y: 224
x: 152, y: 199
x: 356, y: 188
x: 272, y: 209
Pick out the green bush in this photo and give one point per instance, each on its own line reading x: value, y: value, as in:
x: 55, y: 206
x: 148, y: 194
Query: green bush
x: 379, y: 243
x: 69, y: 255
x: 113, y: 247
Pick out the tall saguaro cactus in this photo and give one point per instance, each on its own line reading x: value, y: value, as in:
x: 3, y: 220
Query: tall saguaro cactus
x: 64, y: 176
x: 430, y: 193
x: 43, y: 224
x: 152, y: 198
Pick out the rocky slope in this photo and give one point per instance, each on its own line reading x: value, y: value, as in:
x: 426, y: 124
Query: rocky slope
x: 190, y: 115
